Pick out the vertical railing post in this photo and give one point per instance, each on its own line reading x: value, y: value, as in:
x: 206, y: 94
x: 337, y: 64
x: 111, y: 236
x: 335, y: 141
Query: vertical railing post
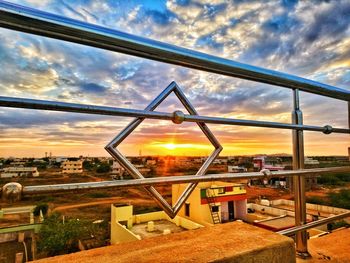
x: 299, y: 181
x: 349, y: 128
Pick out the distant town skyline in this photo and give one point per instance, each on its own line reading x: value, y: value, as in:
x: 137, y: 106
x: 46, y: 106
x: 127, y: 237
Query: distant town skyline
x: 306, y: 38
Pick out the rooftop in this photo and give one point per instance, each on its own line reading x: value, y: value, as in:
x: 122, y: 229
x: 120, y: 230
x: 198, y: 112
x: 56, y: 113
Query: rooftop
x: 333, y: 247
x: 229, y: 242
x: 159, y: 227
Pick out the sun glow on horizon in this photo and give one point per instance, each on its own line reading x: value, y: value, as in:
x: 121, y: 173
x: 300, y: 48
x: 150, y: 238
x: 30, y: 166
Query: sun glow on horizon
x: 170, y: 146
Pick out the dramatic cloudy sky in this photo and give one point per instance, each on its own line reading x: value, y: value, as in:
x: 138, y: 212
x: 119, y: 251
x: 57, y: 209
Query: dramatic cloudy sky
x: 306, y: 38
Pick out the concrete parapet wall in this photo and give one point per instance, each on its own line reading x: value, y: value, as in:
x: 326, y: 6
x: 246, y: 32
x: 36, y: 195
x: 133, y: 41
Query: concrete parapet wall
x: 142, y: 218
x: 121, y: 234
x: 234, y: 242
x: 321, y: 208
x: 161, y: 215
x: 273, y: 211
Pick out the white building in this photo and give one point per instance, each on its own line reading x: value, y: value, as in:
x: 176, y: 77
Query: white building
x: 311, y: 161
x: 72, y: 167
x: 117, y: 170
x: 151, y: 162
x: 236, y: 169
x: 10, y: 172
x: 18, y: 164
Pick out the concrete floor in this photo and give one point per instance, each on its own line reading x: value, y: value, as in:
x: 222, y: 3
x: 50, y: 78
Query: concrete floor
x: 159, y: 227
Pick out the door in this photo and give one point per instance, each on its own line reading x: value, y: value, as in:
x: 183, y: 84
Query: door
x: 231, y: 211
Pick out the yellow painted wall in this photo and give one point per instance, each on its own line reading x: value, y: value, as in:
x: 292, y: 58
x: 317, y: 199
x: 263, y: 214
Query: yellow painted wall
x: 153, y: 216
x: 122, y: 213
x: 198, y: 212
x: 161, y: 215
x: 120, y: 234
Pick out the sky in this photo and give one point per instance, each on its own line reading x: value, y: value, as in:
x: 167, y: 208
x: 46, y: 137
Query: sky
x: 310, y: 39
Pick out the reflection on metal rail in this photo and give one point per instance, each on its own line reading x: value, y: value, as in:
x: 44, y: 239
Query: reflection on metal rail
x: 293, y: 230
x: 56, y: 188
x: 37, y: 22
x: 112, y: 111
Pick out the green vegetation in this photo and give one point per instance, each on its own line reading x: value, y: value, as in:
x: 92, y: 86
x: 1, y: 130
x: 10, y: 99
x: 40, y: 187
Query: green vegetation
x: 145, y: 209
x: 56, y: 237
x: 334, y: 179
x: 99, y: 195
x: 316, y: 200
x: 335, y: 225
x: 88, y: 166
x: 103, y: 168
x: 339, y: 199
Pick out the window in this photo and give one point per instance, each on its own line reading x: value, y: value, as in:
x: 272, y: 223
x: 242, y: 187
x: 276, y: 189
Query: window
x: 215, y: 208
x: 187, y: 209
x: 221, y: 190
x: 228, y: 188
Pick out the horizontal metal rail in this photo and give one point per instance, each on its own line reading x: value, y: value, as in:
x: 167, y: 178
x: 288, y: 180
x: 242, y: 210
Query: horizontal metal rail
x: 56, y: 188
x: 293, y: 230
x: 37, y: 22
x: 112, y: 111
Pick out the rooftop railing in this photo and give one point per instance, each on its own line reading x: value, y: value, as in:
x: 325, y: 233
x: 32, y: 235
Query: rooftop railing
x: 37, y: 22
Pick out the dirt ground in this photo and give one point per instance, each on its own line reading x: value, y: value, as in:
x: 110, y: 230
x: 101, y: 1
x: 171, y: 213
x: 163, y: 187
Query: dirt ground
x: 95, y: 204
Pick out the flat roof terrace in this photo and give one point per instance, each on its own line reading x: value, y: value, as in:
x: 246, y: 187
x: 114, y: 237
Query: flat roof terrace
x: 159, y: 227
x: 308, y: 211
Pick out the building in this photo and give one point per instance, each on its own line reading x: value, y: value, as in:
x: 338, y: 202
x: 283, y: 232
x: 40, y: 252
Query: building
x: 18, y: 163
x: 261, y: 162
x: 277, y: 215
x: 310, y: 161
x: 10, y: 172
x: 213, y: 202
x: 126, y: 227
x: 236, y: 169
x: 151, y: 162
x: 72, y: 166
x: 18, y: 237
x: 58, y: 159
x: 117, y: 171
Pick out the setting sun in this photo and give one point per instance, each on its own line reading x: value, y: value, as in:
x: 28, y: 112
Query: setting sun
x: 170, y: 146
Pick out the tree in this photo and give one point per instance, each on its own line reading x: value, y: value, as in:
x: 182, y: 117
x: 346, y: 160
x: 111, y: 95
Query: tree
x: 87, y: 165
x: 56, y: 237
x: 103, y: 168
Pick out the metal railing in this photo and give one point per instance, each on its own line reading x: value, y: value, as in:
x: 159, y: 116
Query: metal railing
x: 37, y: 22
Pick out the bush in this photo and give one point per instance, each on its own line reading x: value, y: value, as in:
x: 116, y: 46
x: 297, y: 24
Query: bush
x: 87, y: 165
x: 315, y: 200
x: 336, y: 179
x: 340, y: 199
x: 335, y: 225
x: 103, y: 168
x: 99, y: 195
x: 43, y: 207
x: 56, y: 237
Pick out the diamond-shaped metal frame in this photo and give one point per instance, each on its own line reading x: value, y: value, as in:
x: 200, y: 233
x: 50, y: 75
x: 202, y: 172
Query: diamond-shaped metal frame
x: 111, y: 148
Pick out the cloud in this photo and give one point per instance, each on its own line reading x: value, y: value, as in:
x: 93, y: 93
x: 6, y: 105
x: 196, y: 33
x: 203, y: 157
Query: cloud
x: 325, y: 23
x: 92, y: 88
x: 303, y: 38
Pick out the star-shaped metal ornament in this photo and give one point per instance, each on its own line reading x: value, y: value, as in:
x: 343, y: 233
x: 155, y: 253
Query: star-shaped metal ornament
x: 178, y: 118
